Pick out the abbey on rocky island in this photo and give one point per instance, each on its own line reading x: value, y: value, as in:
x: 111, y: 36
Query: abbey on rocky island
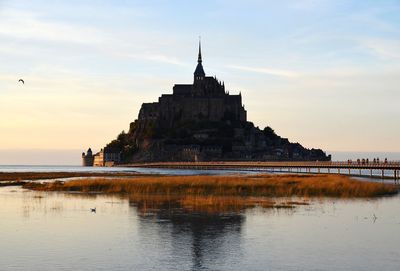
x: 198, y: 122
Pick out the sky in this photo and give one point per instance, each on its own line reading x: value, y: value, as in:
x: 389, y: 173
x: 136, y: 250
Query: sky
x: 322, y: 73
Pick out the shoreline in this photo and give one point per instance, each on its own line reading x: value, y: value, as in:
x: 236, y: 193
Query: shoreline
x: 204, y: 193
x: 19, y: 178
x: 260, y: 185
x: 389, y: 170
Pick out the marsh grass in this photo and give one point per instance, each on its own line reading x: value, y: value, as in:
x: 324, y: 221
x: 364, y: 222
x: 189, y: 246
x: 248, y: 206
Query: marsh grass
x: 239, y: 185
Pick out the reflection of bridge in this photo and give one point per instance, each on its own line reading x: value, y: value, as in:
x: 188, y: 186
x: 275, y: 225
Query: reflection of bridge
x: 364, y: 169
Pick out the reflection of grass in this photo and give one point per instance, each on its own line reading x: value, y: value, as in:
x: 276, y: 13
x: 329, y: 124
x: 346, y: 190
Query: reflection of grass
x: 242, y: 186
x: 11, y: 183
x: 204, y: 204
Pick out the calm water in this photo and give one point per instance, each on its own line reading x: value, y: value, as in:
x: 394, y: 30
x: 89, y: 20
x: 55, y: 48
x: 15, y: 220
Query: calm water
x: 30, y: 168
x: 33, y: 168
x: 56, y: 231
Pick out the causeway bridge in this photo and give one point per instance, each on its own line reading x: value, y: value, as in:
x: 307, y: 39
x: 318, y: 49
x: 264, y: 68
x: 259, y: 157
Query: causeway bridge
x: 384, y: 170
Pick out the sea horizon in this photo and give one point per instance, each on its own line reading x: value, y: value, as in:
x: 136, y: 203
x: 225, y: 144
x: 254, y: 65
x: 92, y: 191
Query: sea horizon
x: 72, y: 158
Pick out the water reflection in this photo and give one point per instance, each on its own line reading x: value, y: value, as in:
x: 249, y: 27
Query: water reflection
x: 147, y: 204
x: 209, y: 237
x: 38, y: 203
x: 47, y: 231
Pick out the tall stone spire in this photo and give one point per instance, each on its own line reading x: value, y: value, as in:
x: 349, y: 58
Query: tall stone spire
x: 199, y: 60
x: 199, y: 73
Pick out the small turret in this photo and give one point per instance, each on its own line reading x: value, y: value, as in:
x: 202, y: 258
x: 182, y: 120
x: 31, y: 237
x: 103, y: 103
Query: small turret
x: 88, y: 158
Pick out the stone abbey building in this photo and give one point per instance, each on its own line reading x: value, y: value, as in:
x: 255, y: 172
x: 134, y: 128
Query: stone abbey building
x: 204, y: 100
x: 199, y: 122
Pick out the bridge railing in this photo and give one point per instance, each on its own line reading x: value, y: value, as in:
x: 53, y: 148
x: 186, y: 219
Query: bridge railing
x: 317, y: 164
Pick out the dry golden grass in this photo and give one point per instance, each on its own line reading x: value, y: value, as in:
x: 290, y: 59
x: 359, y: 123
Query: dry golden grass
x: 242, y: 186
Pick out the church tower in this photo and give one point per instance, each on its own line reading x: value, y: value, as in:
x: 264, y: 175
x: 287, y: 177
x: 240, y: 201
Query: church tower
x: 199, y: 72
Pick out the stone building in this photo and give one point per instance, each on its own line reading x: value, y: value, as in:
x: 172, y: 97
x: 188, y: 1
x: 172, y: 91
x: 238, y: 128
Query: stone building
x: 200, y: 121
x: 87, y: 159
x: 100, y: 159
x: 205, y: 99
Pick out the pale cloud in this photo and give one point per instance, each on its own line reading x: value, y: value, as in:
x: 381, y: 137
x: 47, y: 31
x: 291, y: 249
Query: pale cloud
x: 20, y: 24
x: 384, y: 48
x: 270, y: 71
x: 24, y: 25
x: 156, y: 58
x: 376, y: 17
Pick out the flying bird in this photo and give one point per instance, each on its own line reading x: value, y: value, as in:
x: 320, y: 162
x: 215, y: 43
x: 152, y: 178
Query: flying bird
x: 93, y: 210
x: 21, y: 80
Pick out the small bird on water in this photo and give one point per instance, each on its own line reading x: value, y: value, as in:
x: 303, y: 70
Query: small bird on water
x: 22, y: 81
x: 93, y: 210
